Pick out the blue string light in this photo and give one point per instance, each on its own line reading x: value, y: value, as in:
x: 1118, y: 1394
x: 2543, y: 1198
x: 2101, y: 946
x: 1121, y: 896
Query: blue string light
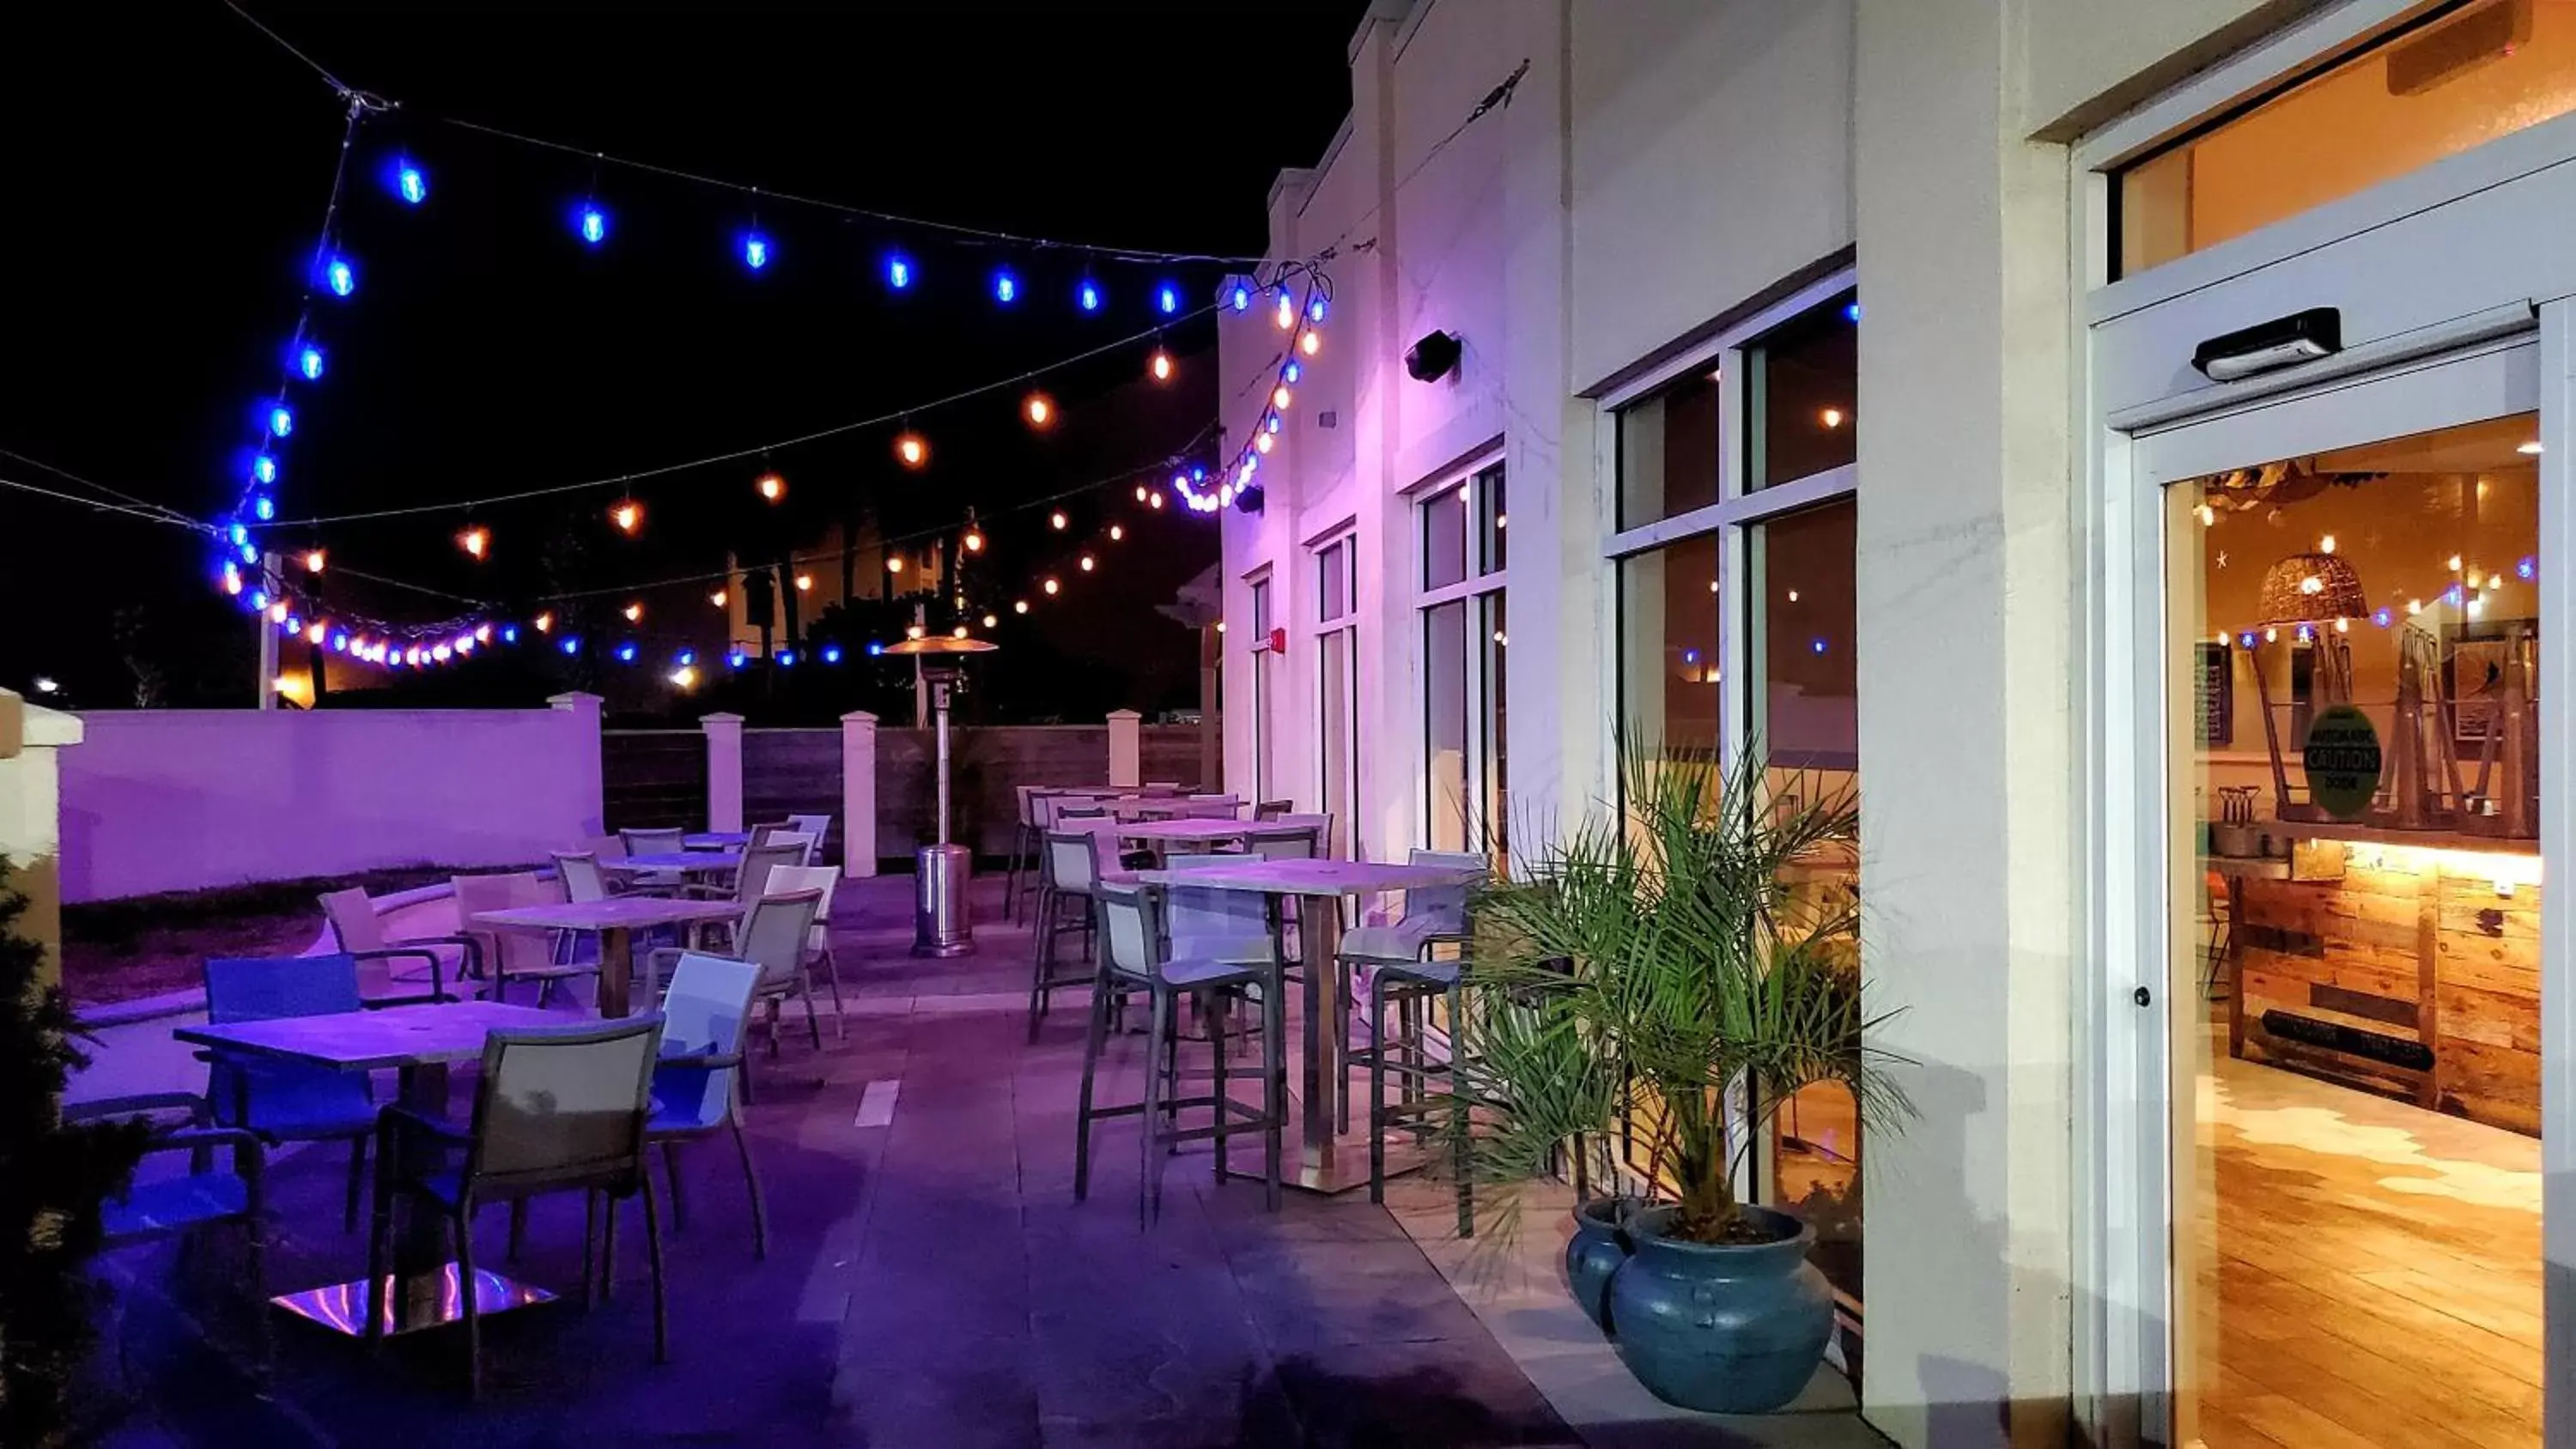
x: 1315, y: 309
x: 831, y: 653
x: 341, y: 276
x: 755, y: 250
x: 1851, y: 313
x: 898, y: 271
x: 572, y: 644
x: 1006, y: 288
x: 1089, y: 296
x: 1292, y: 371
x: 591, y: 224
x: 787, y: 658
x: 1167, y: 299
x: 281, y: 420
x: 264, y: 507
x: 509, y: 633
x: 1242, y: 298
x: 309, y: 363
x: 626, y: 652
x: 410, y: 184
x: 736, y: 659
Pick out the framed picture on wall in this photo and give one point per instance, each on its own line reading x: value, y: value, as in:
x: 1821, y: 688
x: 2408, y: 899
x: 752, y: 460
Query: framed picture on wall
x: 2214, y: 694
x: 2473, y: 664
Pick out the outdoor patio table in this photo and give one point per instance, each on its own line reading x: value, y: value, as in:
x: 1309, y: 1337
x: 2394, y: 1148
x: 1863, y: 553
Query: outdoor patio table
x: 686, y: 862
x: 616, y: 919
x: 419, y: 1043
x: 716, y: 840
x: 1318, y: 887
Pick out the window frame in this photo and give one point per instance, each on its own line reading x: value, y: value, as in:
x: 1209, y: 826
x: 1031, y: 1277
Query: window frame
x: 1260, y: 604
x: 1343, y: 537
x: 1469, y: 591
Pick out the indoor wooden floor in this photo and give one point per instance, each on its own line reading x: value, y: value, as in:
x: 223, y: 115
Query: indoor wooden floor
x: 2374, y: 1277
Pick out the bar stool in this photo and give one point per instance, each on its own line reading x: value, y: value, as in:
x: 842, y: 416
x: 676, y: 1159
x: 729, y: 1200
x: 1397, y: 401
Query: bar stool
x: 1136, y: 956
x: 1024, y: 847
x: 1068, y: 877
x: 1402, y: 975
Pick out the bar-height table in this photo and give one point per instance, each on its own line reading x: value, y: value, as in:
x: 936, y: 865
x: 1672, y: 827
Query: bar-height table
x: 616, y: 919
x: 418, y: 1043
x: 1318, y: 887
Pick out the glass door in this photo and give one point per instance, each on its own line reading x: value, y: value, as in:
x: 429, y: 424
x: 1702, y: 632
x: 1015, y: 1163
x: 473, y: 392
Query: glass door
x: 2344, y: 763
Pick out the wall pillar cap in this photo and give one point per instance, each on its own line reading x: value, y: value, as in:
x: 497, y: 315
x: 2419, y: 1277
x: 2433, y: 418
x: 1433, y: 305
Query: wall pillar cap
x: 858, y: 716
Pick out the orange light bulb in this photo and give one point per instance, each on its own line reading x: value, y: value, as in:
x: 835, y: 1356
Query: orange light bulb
x: 1311, y: 342
x: 894, y: 563
x: 804, y: 583
x: 1050, y: 586
x: 476, y: 541
x: 911, y: 451
x: 313, y: 561
x: 628, y: 516
x: 1116, y: 533
x: 974, y: 541
x: 717, y: 598
x: 1057, y: 520
x: 1086, y: 563
x: 634, y: 613
x: 1162, y: 365
x: 1280, y: 397
x: 1040, y: 409
x: 772, y: 487
x: 543, y: 622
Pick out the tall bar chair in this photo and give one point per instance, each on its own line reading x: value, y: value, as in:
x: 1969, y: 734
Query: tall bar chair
x: 1069, y: 875
x: 1135, y: 956
x: 1404, y: 978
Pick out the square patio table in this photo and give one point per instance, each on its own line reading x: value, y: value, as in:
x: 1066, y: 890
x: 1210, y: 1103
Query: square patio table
x: 715, y: 840
x: 419, y: 1043
x: 686, y: 862
x: 616, y: 919
x: 1318, y: 887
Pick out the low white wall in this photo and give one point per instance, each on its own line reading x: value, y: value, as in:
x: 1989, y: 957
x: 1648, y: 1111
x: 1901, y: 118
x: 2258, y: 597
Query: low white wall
x: 166, y: 800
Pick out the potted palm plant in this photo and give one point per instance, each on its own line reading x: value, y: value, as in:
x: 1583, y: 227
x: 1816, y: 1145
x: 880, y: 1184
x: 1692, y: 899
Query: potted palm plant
x: 1667, y: 972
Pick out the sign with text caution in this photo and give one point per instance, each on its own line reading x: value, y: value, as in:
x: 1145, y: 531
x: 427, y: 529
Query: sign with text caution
x: 2343, y: 762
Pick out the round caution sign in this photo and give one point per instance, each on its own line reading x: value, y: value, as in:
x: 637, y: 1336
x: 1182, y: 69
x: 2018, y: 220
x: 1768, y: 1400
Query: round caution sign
x: 2343, y: 762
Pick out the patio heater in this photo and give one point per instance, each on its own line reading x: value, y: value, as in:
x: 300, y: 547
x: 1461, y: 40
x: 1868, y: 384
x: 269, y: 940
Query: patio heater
x: 942, y: 871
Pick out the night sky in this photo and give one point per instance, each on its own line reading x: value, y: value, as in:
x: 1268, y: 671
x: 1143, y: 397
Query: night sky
x: 167, y: 169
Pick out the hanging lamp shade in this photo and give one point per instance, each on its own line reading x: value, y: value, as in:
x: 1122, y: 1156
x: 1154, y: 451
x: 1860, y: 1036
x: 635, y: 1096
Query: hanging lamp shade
x: 2311, y: 588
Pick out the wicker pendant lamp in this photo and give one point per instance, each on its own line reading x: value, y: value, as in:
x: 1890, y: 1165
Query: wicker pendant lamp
x: 2311, y: 588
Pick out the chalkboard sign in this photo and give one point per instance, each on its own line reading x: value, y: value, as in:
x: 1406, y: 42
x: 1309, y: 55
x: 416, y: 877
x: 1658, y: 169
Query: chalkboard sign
x: 2214, y: 695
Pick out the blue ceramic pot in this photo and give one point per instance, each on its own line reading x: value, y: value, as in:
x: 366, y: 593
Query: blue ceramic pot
x: 1598, y: 1247
x: 1728, y: 1330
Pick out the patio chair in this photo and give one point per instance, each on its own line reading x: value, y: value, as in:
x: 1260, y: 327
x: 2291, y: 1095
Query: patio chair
x: 1273, y: 809
x: 556, y: 1111
x: 658, y: 841
x: 805, y: 843
x: 517, y: 955
x: 774, y: 936
x: 818, y: 826
x: 1292, y: 838
x: 1400, y: 974
x: 749, y: 884
x: 1134, y: 957
x: 1212, y: 807
x: 360, y: 934
x: 825, y: 881
x: 704, y: 1018
x: 204, y: 1197
x: 1068, y: 874
x: 284, y: 1101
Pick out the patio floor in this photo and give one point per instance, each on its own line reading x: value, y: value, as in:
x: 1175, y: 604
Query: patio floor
x: 932, y: 1282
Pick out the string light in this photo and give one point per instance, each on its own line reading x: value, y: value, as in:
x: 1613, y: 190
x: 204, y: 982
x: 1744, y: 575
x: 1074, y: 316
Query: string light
x: 1261, y: 441
x: 1089, y: 295
x: 309, y: 362
x: 1153, y: 500
x: 1293, y: 371
x: 591, y: 224
x: 1086, y: 563
x: 831, y: 653
x: 1040, y: 409
x: 628, y: 515
x: 411, y: 184
x: 974, y: 539
x: 634, y: 612
x: 1242, y: 297
x: 755, y: 250
x: 1287, y: 313
x: 544, y: 621
x: 1280, y: 397
x: 341, y: 276
x: 1019, y: 606
x: 991, y: 621
x: 1167, y: 299
x: 804, y: 583
x: 1310, y: 342
x: 898, y: 270
x: 1051, y: 586
x: 313, y: 560
x: 1116, y: 533
x: 911, y: 450
x: 894, y: 563
x: 1143, y: 492
x: 1006, y: 288
x: 1161, y: 365
x: 475, y: 539
x: 771, y: 486
x: 686, y: 676
x: 1315, y: 308
x: 263, y: 469
x: 1058, y: 521
x: 718, y: 598
x: 281, y: 420
x: 626, y: 652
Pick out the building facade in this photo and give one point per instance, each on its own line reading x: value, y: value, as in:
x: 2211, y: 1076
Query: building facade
x: 2124, y: 443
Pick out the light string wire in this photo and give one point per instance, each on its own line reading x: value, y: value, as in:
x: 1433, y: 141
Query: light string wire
x: 150, y: 514
x: 986, y: 235
x: 144, y: 507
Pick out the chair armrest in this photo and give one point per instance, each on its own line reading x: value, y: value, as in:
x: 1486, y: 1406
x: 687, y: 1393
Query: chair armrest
x: 701, y: 1059
x: 470, y: 949
x: 379, y: 1003
x: 135, y: 1105
x: 192, y: 1138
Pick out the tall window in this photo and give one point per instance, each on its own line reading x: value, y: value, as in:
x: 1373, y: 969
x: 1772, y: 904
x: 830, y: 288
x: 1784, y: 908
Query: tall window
x: 1735, y: 634
x: 1465, y: 797
x: 1337, y: 692
x: 1265, y: 692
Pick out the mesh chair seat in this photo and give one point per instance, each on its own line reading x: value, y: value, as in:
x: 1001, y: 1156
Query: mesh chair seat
x: 1400, y: 943
x: 175, y: 1204
x: 291, y: 1102
x: 1442, y: 974
x: 1197, y: 974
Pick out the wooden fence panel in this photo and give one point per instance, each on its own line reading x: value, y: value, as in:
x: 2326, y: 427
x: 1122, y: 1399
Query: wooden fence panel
x: 653, y: 779
x: 793, y: 772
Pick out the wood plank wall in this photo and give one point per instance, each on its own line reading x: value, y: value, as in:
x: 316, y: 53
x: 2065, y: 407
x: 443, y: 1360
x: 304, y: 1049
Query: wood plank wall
x: 2432, y: 956
x: 653, y: 779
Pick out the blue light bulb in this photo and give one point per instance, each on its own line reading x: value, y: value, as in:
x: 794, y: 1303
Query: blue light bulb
x: 755, y: 251
x: 342, y: 277
x: 1851, y: 313
x: 1090, y: 297
x: 264, y: 507
x: 264, y: 468
x: 626, y: 653
x: 898, y: 271
x: 1198, y: 475
x: 259, y: 598
x: 1167, y: 298
x: 2527, y: 568
x: 1819, y: 646
x: 735, y: 660
x: 1242, y: 298
x: 571, y: 644
x: 340, y: 643
x: 1006, y: 288
x: 309, y: 362
x: 509, y: 633
x: 2245, y: 640
x: 592, y: 224
x: 831, y: 653
x: 2382, y: 617
x: 411, y: 185
x: 1315, y: 310
x: 1292, y: 372
x: 250, y: 553
x: 875, y: 648
x: 688, y: 657
x: 787, y: 658
x: 281, y: 419
x: 241, y: 535
x: 1272, y: 424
